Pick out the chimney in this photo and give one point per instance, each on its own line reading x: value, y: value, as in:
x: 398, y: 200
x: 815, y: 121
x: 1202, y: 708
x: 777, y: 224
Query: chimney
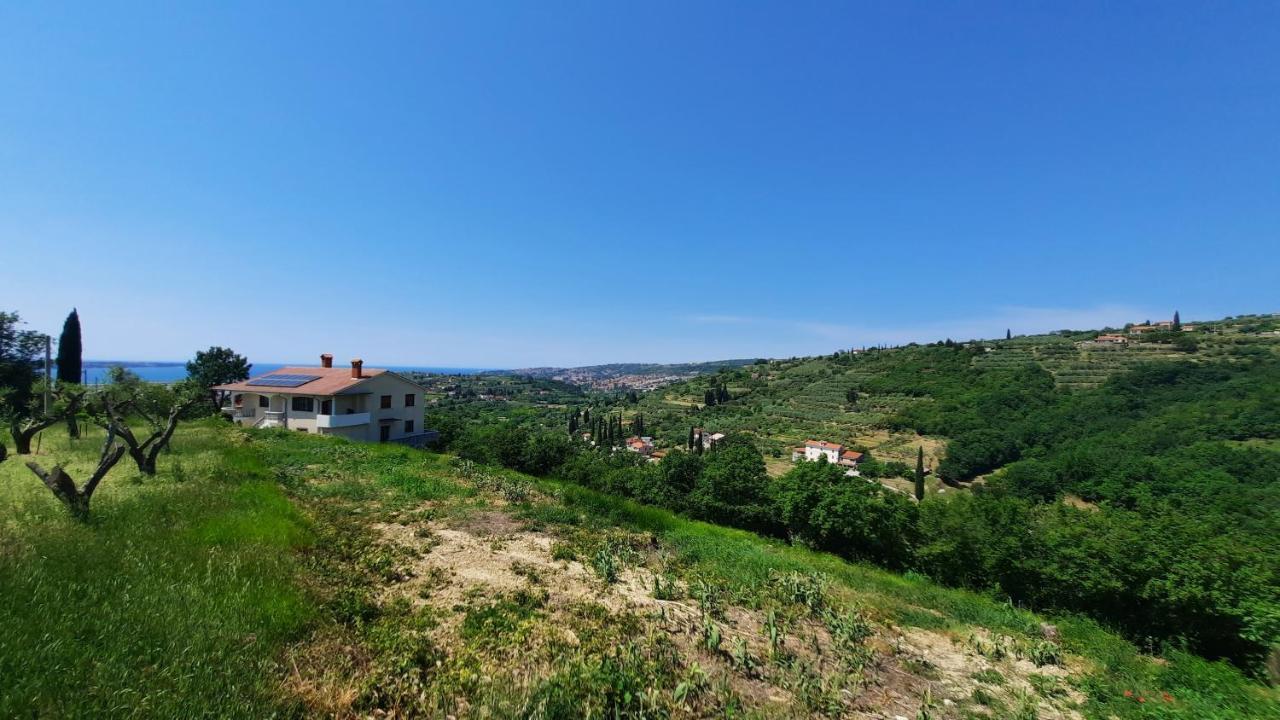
x: 326, y: 360
x: 356, y: 366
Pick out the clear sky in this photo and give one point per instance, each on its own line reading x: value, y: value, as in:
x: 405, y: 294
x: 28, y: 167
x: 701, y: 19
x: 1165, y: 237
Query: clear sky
x: 501, y: 185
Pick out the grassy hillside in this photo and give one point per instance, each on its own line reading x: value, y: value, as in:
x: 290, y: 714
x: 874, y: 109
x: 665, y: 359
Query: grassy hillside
x: 174, y: 602
x: 273, y: 572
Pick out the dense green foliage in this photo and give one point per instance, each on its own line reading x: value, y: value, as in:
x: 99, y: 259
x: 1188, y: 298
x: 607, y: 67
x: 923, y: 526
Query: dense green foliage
x: 217, y: 366
x: 1148, y: 501
x: 19, y: 358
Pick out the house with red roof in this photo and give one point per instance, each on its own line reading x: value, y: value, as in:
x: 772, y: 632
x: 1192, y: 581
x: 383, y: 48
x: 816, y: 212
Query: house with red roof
x: 358, y: 403
x: 642, y: 445
x: 834, y: 453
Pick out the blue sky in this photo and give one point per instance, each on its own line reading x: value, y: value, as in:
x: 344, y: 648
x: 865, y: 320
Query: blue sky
x: 502, y: 185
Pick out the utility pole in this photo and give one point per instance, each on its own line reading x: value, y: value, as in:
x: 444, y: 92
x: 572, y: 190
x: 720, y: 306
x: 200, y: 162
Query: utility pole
x: 48, y: 382
x: 48, y: 373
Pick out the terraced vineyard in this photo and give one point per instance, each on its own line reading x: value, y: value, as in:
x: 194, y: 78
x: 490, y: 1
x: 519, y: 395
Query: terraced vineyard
x: 784, y: 402
x: 1074, y: 365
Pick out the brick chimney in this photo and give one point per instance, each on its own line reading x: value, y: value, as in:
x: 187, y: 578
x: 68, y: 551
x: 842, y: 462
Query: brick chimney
x: 326, y: 360
x: 356, y: 366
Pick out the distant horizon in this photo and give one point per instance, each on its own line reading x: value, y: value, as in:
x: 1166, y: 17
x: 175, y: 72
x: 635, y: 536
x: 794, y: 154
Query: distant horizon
x: 88, y: 361
x: 1185, y: 318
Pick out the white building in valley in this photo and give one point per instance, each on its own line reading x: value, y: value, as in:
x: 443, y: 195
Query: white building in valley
x: 834, y: 453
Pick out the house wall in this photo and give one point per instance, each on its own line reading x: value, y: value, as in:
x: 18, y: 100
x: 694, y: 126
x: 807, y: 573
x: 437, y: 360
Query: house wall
x: 812, y: 454
x: 300, y: 420
x: 359, y: 433
x: 397, y: 388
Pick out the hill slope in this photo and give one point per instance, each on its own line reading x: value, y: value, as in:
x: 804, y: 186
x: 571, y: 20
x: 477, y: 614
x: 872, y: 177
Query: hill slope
x: 1148, y: 501
x: 395, y: 581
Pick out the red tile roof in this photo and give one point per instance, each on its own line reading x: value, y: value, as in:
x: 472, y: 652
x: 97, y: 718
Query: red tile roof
x: 851, y: 455
x: 331, y: 381
x: 823, y: 444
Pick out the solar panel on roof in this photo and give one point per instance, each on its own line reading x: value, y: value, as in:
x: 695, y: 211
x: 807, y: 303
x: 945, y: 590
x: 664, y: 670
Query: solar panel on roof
x: 283, y: 380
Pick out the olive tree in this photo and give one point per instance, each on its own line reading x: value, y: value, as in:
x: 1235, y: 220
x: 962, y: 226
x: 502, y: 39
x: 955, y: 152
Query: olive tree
x: 76, y: 499
x: 126, y: 398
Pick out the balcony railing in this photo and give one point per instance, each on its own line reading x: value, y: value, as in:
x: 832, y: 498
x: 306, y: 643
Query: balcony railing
x: 341, y: 421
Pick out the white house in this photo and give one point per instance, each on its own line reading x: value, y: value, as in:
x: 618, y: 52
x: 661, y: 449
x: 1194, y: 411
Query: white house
x: 834, y: 453
x: 368, y: 404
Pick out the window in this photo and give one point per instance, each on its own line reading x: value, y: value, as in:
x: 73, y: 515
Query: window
x: 386, y: 401
x: 264, y: 401
x: 408, y: 426
x: 304, y: 404
x: 410, y: 399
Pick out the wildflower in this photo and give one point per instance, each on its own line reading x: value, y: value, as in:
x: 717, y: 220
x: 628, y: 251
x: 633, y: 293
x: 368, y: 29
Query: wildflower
x: 1128, y: 693
x: 1141, y: 699
x: 1167, y: 697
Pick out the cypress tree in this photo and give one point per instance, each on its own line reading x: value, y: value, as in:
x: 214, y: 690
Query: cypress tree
x: 691, y: 437
x: 1008, y: 334
x: 1177, y: 322
x: 920, y: 473
x: 69, y: 349
x: 69, y: 361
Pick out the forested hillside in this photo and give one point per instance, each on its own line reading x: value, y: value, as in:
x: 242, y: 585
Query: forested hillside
x: 1146, y: 497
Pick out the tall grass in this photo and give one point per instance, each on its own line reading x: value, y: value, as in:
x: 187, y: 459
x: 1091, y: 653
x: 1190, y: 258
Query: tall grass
x: 171, y: 602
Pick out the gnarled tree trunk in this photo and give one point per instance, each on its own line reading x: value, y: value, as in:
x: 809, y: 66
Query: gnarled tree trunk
x: 64, y: 487
x: 24, y: 431
x: 145, y: 452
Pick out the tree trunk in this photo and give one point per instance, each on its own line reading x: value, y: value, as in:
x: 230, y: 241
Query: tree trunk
x: 21, y: 440
x: 24, y: 434
x: 4, y: 452
x: 73, y: 427
x: 146, y: 452
x: 64, y: 488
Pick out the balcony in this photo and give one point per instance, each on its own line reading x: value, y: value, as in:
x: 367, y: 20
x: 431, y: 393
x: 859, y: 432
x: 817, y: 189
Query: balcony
x: 341, y: 421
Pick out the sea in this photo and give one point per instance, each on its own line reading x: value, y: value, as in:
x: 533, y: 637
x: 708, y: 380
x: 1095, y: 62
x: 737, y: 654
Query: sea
x: 96, y: 371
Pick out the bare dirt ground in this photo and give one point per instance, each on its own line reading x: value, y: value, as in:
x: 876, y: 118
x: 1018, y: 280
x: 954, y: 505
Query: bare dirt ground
x: 490, y: 554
